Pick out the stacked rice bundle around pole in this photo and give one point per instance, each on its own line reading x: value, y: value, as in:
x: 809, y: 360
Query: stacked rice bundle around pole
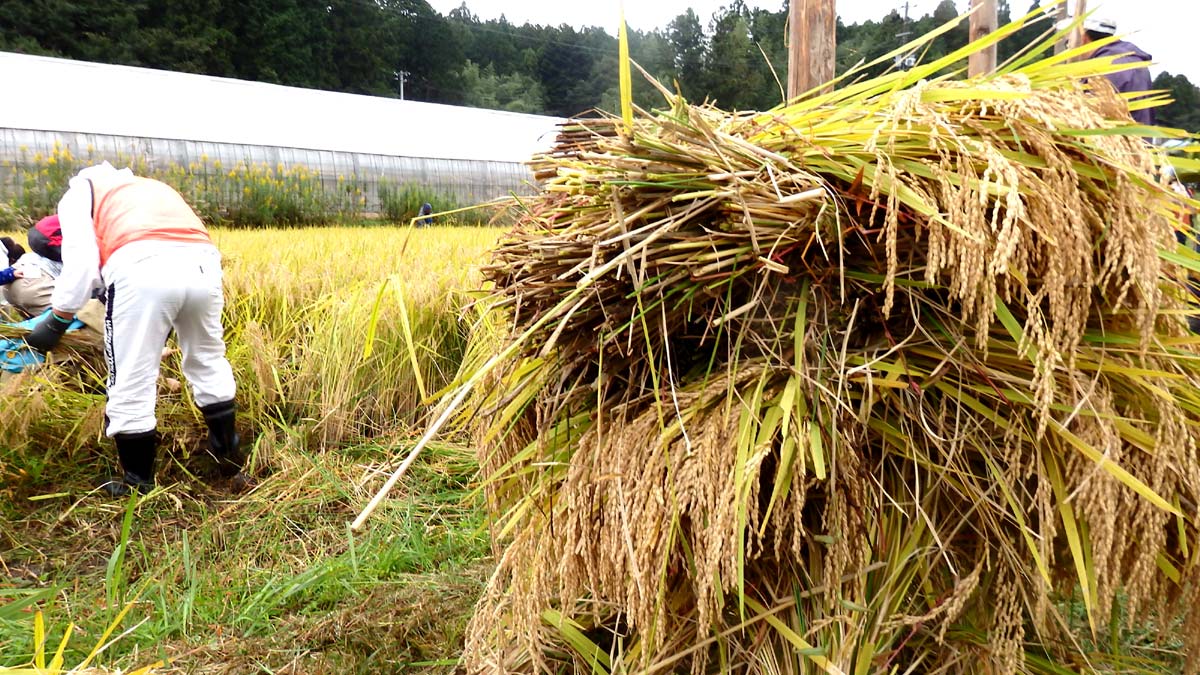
x: 884, y: 380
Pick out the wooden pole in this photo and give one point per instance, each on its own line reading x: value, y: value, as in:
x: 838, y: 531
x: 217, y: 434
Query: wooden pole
x: 1061, y: 45
x: 794, y: 43
x: 984, y: 18
x: 1077, y: 34
x: 812, y: 44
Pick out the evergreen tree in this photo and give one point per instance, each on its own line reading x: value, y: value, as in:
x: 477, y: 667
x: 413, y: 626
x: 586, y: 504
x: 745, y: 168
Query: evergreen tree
x: 1184, y: 111
x: 1033, y: 34
x: 422, y: 45
x: 483, y: 88
x: 735, y: 65
x: 88, y: 30
x: 563, y: 62
x: 363, y: 46
x: 688, y: 47
x: 363, y: 54
x: 185, y: 35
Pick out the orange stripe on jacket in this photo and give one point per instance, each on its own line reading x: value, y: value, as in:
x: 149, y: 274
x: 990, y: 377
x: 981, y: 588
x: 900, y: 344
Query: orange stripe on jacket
x: 141, y: 209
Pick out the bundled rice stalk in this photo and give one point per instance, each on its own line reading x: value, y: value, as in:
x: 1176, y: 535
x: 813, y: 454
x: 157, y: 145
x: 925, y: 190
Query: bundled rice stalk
x: 883, y: 380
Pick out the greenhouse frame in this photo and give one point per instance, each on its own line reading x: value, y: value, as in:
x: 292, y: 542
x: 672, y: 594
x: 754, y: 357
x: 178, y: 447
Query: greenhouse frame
x: 99, y: 111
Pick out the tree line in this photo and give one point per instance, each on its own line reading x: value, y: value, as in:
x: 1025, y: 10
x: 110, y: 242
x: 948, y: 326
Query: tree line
x: 736, y: 58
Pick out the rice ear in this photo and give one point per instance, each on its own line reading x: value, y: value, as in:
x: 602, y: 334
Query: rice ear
x: 871, y: 379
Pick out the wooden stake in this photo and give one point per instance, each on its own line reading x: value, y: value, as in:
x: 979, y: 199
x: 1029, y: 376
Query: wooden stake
x: 1061, y: 11
x: 1077, y: 34
x: 983, y: 22
x: 812, y: 44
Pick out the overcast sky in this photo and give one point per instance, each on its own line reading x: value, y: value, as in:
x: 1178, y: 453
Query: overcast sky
x: 1164, y: 28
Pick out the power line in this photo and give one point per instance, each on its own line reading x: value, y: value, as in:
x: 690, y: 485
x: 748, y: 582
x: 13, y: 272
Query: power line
x: 480, y: 27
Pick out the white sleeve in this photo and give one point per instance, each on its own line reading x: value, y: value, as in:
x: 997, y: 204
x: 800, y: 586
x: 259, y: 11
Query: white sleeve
x: 80, y: 252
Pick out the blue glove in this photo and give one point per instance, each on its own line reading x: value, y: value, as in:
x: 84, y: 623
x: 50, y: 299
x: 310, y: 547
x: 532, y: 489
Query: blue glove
x: 46, y: 335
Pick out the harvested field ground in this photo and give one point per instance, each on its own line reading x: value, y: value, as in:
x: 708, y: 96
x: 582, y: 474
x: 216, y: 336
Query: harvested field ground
x: 267, y: 582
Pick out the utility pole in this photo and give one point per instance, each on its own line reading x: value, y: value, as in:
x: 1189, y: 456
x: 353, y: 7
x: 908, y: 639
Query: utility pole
x: 906, y: 32
x: 812, y: 44
x: 983, y: 22
x: 400, y: 75
x: 905, y: 61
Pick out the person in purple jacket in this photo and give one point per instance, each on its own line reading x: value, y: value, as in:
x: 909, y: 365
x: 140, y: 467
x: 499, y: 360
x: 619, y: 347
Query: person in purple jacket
x: 1125, y: 81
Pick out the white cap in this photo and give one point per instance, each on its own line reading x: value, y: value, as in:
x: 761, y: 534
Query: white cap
x: 103, y: 169
x: 1092, y: 25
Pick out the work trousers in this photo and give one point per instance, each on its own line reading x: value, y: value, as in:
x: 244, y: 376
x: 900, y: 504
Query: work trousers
x: 154, y: 287
x: 31, y: 294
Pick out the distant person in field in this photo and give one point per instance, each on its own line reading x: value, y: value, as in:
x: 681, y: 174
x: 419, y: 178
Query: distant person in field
x: 12, y: 250
x: 1186, y: 235
x: 45, y: 238
x: 426, y: 210
x: 35, y: 272
x: 1125, y: 81
x: 140, y: 239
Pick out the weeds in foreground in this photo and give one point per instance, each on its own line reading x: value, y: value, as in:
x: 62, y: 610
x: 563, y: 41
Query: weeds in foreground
x: 272, y: 580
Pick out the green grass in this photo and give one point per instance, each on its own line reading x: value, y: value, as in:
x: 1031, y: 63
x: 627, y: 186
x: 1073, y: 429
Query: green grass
x: 271, y: 581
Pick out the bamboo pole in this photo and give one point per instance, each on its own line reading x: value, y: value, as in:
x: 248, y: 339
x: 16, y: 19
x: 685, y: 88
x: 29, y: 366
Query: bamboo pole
x: 812, y: 44
x: 984, y: 18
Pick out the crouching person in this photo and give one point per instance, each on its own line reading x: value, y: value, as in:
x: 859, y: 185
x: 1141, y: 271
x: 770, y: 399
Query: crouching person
x: 161, y: 271
x: 33, y: 274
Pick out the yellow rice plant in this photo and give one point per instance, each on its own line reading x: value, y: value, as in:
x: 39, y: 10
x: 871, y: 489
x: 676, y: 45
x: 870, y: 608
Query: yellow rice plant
x: 338, y: 334
x: 882, y: 380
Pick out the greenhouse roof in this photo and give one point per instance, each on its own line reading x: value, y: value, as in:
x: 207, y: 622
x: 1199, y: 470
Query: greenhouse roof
x: 51, y: 94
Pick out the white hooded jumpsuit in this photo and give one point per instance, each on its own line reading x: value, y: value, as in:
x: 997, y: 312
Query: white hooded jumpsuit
x: 140, y: 240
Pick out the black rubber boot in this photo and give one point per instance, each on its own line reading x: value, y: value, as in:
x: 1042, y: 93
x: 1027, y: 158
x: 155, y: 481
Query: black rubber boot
x: 136, y: 453
x: 223, y: 440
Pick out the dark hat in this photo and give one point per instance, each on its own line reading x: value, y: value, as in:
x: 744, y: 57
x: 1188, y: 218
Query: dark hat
x: 45, y: 238
x: 12, y: 250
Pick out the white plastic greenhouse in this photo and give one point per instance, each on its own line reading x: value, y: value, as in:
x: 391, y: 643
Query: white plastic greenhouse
x: 165, y: 117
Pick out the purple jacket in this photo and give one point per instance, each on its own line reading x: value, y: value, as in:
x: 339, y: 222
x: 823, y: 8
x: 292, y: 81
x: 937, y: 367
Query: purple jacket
x: 1127, y: 81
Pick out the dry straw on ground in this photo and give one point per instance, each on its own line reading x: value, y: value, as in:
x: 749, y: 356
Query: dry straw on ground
x: 879, y: 380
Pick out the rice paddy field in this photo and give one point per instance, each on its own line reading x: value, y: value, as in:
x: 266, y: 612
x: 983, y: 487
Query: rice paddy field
x: 895, y: 378
x: 339, y: 337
